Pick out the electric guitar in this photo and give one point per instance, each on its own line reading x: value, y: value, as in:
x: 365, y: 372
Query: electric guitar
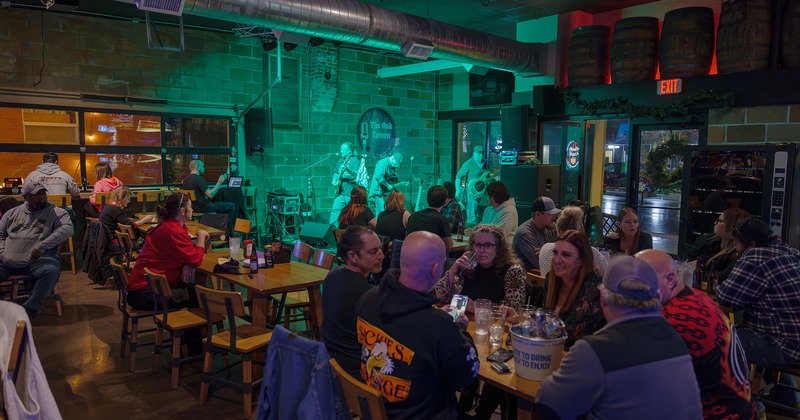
x: 477, y: 186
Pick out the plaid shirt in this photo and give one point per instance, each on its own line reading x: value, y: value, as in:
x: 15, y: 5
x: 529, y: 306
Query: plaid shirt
x: 765, y: 282
x: 452, y: 212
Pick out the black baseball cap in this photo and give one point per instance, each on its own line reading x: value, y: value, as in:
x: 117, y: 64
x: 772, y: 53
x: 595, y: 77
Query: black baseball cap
x: 545, y: 204
x: 752, y: 230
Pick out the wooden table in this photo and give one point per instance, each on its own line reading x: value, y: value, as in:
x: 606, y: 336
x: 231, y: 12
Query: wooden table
x: 193, y: 227
x: 524, y: 389
x: 459, y: 246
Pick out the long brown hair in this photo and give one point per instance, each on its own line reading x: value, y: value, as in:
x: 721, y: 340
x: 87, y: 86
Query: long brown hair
x: 731, y: 217
x: 503, y: 253
x: 635, y: 243
x: 356, y: 206
x: 555, y: 283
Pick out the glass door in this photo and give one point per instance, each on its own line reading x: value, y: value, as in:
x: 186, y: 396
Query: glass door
x: 659, y: 181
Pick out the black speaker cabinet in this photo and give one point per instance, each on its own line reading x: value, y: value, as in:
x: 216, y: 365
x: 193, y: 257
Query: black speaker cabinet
x: 258, y: 129
x: 514, y: 120
x: 319, y: 235
x: 521, y: 179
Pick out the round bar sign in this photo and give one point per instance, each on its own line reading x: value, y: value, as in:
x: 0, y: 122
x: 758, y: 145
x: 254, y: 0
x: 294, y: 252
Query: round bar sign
x: 376, y: 132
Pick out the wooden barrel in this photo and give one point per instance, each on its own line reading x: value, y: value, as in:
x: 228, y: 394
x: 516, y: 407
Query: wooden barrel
x: 790, y: 34
x: 744, y: 35
x: 687, y: 42
x: 634, y: 46
x: 587, y: 56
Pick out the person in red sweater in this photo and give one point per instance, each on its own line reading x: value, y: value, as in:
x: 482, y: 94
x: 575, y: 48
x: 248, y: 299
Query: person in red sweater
x: 168, y: 250
x: 106, y: 182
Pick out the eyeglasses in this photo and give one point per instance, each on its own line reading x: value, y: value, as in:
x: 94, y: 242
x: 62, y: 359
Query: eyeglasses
x: 719, y: 221
x: 484, y: 245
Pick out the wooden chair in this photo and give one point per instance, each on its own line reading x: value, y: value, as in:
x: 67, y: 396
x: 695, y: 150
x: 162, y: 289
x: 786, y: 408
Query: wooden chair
x: 63, y: 201
x: 128, y: 255
x: 176, y: 323
x: 149, y: 196
x: 17, y: 356
x: 130, y: 317
x: 127, y: 229
x: 250, y: 198
x: 14, y: 281
x: 323, y: 259
x: 102, y: 198
x: 302, y: 251
x: 364, y: 401
x: 240, y: 339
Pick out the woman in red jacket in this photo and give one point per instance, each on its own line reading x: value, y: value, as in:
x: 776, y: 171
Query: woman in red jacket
x: 168, y: 250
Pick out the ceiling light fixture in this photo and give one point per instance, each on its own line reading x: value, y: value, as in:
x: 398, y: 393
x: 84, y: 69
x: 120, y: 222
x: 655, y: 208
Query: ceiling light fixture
x: 288, y: 46
x: 316, y: 41
x: 268, y: 44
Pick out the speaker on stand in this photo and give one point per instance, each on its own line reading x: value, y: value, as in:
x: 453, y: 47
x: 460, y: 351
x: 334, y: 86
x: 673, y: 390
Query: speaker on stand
x: 283, y: 215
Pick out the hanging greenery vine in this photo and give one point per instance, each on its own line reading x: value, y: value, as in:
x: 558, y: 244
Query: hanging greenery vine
x: 621, y: 105
x: 656, y: 164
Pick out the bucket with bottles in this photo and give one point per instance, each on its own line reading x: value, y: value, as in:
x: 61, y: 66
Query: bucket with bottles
x: 538, y: 344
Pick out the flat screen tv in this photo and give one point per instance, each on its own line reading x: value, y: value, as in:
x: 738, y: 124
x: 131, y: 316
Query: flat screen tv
x: 493, y: 88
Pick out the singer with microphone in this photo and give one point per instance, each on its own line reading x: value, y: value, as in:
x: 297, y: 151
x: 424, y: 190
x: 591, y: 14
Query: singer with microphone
x: 384, y: 180
x: 344, y: 179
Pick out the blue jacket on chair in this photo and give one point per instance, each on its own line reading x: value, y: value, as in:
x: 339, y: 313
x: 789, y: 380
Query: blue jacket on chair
x: 299, y: 381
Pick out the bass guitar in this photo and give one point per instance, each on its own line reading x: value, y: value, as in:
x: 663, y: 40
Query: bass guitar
x: 477, y: 186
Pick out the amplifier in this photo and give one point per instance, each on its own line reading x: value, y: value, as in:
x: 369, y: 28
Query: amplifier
x: 283, y: 204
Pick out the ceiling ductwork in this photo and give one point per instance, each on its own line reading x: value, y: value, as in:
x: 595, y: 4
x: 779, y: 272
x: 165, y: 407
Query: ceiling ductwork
x: 358, y: 23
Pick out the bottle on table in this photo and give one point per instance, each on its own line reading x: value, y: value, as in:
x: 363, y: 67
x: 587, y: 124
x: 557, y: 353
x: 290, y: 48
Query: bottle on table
x: 697, y: 281
x: 268, y: 261
x: 253, y: 261
x: 248, y: 248
x: 712, y: 278
x: 460, y: 230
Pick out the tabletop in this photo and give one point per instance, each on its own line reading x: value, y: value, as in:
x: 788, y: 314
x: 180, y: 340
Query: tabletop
x: 282, y: 278
x: 192, y: 226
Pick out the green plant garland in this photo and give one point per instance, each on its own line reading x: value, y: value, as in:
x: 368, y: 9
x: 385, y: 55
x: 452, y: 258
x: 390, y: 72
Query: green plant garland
x: 621, y: 105
x: 655, y: 164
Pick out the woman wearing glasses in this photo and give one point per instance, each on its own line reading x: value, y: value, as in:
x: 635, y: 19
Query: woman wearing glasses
x: 169, y: 250
x: 572, y: 286
x: 714, y: 252
x: 489, y: 271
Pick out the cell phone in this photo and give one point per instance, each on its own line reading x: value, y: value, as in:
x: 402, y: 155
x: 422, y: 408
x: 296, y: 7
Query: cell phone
x: 500, y: 355
x: 458, y: 305
x: 500, y: 367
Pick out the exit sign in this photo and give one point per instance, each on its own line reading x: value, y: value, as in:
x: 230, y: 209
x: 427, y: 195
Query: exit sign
x: 669, y: 86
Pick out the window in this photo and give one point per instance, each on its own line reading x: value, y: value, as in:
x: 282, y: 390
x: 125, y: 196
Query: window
x: 19, y: 165
x: 197, y: 132
x: 38, y: 126
x: 122, y: 129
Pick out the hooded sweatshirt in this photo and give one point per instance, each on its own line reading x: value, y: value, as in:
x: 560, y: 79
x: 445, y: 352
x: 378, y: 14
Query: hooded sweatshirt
x: 505, y: 216
x: 22, y: 231
x: 104, y: 185
x: 413, y: 353
x: 54, y: 179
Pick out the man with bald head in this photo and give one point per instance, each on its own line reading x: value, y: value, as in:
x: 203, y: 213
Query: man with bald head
x: 719, y: 363
x: 413, y: 353
x: 203, y: 194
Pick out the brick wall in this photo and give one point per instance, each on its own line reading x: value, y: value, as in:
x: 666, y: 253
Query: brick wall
x: 762, y: 124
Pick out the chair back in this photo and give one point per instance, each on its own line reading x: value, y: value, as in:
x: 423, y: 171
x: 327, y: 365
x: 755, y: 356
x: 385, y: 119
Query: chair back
x: 148, y: 196
x: 250, y: 193
x: 127, y: 247
x: 121, y: 281
x: 127, y: 229
x: 190, y: 193
x: 302, y: 251
x: 243, y: 226
x: 221, y: 303
x: 364, y: 401
x: 323, y: 259
x: 60, y: 200
x: 102, y: 198
x: 162, y: 292
x: 17, y: 356
x: 397, y: 246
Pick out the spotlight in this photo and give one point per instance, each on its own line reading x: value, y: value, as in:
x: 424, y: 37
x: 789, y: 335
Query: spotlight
x: 288, y: 46
x: 316, y: 41
x: 269, y: 44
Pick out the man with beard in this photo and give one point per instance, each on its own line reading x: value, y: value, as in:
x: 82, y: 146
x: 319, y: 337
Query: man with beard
x: 29, y: 238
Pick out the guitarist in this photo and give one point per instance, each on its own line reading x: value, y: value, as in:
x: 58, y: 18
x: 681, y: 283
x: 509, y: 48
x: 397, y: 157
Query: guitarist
x: 344, y: 179
x: 384, y: 180
x: 471, y: 169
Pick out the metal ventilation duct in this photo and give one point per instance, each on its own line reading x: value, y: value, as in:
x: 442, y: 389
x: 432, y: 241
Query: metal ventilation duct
x: 376, y: 27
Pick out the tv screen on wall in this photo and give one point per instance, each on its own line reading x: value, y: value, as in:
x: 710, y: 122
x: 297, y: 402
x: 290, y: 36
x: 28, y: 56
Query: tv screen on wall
x: 493, y: 88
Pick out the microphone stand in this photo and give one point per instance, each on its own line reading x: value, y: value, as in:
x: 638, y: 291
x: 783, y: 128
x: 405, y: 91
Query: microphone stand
x: 312, y: 195
x: 411, y: 182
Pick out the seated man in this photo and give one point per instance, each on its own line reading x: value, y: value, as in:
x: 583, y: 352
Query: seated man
x: 452, y: 208
x: 535, y: 232
x: 55, y: 180
x: 625, y: 369
x: 720, y: 369
x: 412, y: 352
x: 502, y: 210
x: 29, y: 238
x: 360, y: 248
x: 204, y: 194
x: 431, y: 219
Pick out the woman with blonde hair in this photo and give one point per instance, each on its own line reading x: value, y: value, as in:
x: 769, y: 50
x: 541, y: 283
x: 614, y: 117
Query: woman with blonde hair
x: 571, y: 218
x: 393, y: 220
x: 356, y: 211
x: 714, y: 251
x: 628, y: 238
x: 113, y: 213
x: 572, y: 286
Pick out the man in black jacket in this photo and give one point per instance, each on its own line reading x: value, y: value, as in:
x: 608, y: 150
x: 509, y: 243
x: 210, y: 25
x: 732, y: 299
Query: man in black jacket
x: 413, y: 353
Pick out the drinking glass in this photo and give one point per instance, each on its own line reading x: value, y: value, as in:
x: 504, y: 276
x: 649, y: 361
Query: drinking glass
x: 483, y: 307
x: 496, y: 319
x: 234, y: 242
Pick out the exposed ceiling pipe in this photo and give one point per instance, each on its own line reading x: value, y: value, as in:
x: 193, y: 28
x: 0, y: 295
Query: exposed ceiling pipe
x: 376, y: 27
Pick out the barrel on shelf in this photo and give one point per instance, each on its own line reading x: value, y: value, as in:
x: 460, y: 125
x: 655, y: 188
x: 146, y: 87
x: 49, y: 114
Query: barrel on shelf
x: 687, y: 42
x: 634, y: 47
x: 790, y: 34
x: 744, y: 35
x: 587, y: 56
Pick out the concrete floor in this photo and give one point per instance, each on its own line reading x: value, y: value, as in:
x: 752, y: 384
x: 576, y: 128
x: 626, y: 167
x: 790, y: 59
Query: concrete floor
x: 80, y: 353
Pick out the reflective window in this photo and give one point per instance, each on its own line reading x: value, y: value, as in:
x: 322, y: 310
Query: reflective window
x: 38, y: 126
x: 103, y: 129
x: 197, y: 132
x: 130, y: 168
x: 19, y: 165
x: 177, y: 167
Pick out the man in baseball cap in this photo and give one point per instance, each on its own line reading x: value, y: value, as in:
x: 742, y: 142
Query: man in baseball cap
x: 29, y: 238
x: 471, y: 170
x: 535, y: 232
x: 624, y: 369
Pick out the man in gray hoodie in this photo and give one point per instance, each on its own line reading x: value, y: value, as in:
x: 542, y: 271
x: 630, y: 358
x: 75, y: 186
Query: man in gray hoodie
x: 52, y: 177
x: 29, y: 238
x: 502, y: 210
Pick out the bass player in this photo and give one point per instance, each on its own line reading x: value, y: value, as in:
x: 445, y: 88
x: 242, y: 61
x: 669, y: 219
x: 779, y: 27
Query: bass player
x: 344, y: 179
x: 471, y: 169
x: 384, y: 180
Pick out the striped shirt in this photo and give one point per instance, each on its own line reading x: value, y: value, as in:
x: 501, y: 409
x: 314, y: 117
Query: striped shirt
x: 765, y: 282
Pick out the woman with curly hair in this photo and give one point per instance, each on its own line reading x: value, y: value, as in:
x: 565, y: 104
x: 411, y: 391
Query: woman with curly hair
x: 628, y: 238
x: 715, y: 251
x: 572, y: 286
x: 356, y: 212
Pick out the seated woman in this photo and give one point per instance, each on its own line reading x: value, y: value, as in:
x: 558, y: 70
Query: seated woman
x: 113, y: 214
x: 571, y: 218
x: 714, y: 252
x: 498, y: 276
x: 628, y: 238
x: 168, y: 250
x: 106, y: 182
x: 392, y: 221
x: 356, y: 212
x: 572, y: 286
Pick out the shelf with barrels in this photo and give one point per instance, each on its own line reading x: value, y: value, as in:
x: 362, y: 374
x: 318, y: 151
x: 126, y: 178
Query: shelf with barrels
x: 686, y: 47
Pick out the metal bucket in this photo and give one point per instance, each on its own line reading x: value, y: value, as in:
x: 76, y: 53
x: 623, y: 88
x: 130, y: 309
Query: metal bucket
x: 535, y: 358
